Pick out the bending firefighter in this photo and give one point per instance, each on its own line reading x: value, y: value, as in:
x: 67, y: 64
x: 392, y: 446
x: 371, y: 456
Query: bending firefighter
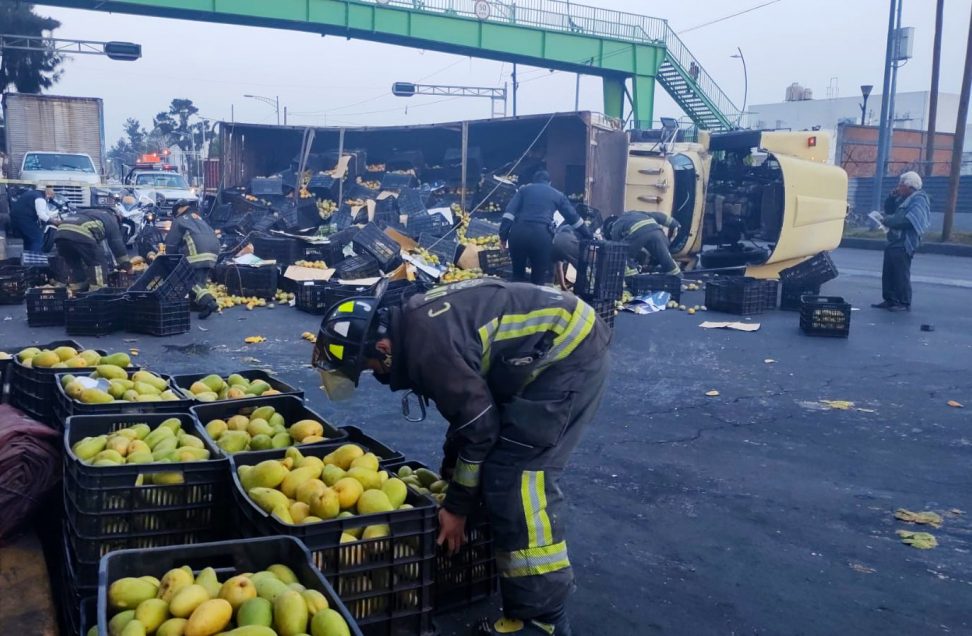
x: 646, y: 234
x: 518, y: 371
x: 79, y: 242
x: 191, y: 236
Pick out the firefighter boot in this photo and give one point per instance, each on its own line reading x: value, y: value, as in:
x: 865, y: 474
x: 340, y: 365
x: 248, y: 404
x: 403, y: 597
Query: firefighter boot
x: 207, y: 305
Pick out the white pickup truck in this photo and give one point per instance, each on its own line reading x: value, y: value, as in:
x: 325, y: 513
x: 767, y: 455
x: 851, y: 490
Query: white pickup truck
x: 71, y: 174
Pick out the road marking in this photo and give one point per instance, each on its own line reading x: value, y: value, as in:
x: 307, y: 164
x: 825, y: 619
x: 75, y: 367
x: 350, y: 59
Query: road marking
x: 931, y: 280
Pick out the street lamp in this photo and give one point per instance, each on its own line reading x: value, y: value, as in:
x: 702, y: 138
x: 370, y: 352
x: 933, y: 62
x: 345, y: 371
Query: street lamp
x: 273, y: 102
x: 739, y: 56
x: 866, y: 92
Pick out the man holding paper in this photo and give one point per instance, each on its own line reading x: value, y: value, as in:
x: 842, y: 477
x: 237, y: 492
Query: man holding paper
x: 907, y: 217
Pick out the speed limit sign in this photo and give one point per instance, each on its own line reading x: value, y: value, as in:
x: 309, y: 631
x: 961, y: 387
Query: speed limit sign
x: 482, y: 9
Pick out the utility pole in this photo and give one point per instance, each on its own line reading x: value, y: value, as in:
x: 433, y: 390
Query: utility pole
x: 516, y: 85
x: 933, y: 97
x: 963, y: 114
x: 883, y: 133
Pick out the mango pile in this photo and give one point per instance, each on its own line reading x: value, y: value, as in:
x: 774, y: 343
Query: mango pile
x: 270, y: 602
x: 225, y: 300
x: 140, y: 386
x: 303, y: 489
x: 453, y: 274
x: 311, y: 264
x: 140, y: 444
x: 424, y: 482
x: 235, y: 387
x: 262, y: 428
x: 69, y: 358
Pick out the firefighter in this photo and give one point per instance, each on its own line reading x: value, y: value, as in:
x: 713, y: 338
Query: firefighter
x: 648, y: 235
x: 528, y: 227
x: 191, y: 236
x: 78, y: 241
x: 518, y: 371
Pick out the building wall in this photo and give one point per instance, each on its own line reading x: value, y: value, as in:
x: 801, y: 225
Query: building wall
x: 856, y: 151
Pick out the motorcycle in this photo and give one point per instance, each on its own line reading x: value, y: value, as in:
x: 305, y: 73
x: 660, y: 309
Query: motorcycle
x: 138, y: 221
x: 59, y: 207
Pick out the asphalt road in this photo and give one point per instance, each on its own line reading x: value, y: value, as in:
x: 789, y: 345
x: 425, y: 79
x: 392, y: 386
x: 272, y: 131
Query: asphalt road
x: 760, y: 511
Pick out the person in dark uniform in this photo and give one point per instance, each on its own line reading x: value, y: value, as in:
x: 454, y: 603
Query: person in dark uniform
x: 518, y: 371
x: 648, y: 235
x: 79, y: 242
x: 907, y: 215
x: 28, y: 211
x: 191, y: 236
x: 527, y: 226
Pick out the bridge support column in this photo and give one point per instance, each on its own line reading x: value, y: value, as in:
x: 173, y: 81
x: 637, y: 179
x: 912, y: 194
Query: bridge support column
x: 614, y: 96
x: 643, y: 87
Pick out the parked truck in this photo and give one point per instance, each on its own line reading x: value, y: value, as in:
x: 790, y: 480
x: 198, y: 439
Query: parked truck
x: 55, y: 140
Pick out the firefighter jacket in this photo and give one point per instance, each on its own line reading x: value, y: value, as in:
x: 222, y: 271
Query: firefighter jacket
x: 473, y: 346
x: 192, y: 237
x: 630, y: 222
x: 95, y: 225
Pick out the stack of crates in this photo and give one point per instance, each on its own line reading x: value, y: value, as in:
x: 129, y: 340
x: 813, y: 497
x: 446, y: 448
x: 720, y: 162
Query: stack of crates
x: 805, y: 278
x: 133, y: 506
x: 742, y: 295
x: 158, y: 303
x: 97, y: 313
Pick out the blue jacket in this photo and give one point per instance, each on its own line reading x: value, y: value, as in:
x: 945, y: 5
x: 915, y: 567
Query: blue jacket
x: 536, y: 203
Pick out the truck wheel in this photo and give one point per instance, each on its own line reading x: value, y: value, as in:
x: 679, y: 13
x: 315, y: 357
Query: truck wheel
x: 734, y: 256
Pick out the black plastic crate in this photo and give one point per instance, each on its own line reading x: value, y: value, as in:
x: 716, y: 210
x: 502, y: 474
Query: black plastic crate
x: 260, y: 186
x: 790, y: 295
x: 13, y: 284
x: 398, y: 180
x: 185, y: 380
x: 316, y: 297
x: 228, y: 558
x: 291, y: 407
x: 607, y: 310
x: 410, y: 203
x: 398, y: 292
x: 95, y: 314
x: 386, y: 583
x: 383, y: 248
x: 283, y: 249
x: 157, y: 318
x: 600, y: 269
x: 244, y: 280
x: 811, y: 273
x: 742, y: 296
x: 75, y: 589
x: 362, y: 266
x: 66, y: 407
x: 89, y: 613
x: 120, y: 279
x: 494, y: 261
x: 45, y: 306
x: 478, y: 228
x: 470, y: 575
x: 169, y: 278
x: 443, y: 247
x: 642, y: 284
x: 498, y: 190
x: 825, y: 316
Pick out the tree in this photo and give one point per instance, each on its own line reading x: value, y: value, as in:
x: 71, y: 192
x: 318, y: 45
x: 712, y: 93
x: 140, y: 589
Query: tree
x: 28, y: 71
x: 128, y: 148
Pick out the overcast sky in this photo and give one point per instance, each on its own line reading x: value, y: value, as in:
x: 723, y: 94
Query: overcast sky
x: 340, y: 82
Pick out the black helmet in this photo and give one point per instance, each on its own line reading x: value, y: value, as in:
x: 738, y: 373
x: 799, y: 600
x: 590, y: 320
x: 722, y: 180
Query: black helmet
x: 181, y: 203
x: 340, y: 350
x: 608, y: 223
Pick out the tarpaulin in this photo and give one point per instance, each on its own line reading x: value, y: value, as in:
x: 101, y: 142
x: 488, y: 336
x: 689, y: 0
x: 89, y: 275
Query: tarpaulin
x: 30, y: 455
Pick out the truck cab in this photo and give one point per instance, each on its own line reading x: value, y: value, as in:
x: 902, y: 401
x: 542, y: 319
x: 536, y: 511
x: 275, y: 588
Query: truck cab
x: 71, y: 174
x: 164, y: 186
x: 765, y: 200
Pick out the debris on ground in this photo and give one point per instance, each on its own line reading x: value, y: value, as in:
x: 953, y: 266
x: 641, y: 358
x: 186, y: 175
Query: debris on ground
x: 254, y: 339
x: 839, y: 405
x: 926, y: 517
x: 308, y: 336
x: 919, y: 540
x: 955, y: 405
x: 735, y: 326
x: 712, y: 393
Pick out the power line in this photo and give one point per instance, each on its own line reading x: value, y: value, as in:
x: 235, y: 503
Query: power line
x: 724, y: 18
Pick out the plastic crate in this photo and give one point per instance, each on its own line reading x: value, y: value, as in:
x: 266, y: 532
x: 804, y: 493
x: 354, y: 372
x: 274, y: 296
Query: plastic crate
x: 13, y: 284
x: 89, y: 613
x: 600, y: 269
x: 228, y: 558
x: 811, y: 273
x: 386, y: 583
x: 283, y: 249
x: 185, y: 380
x: 65, y: 406
x: 607, y: 310
x: 379, y: 246
x: 470, y: 575
x: 445, y: 247
x: 825, y: 316
x: 316, y: 297
x: 243, y: 280
x: 494, y: 261
x: 45, y: 306
x: 75, y: 588
x: 498, y: 190
x: 169, y: 278
x: 399, y: 291
x: 398, y: 181
x: 95, y: 314
x: 291, y: 407
x: 363, y: 266
x: 741, y: 296
x: 642, y: 284
x: 157, y: 318
x: 790, y: 295
x: 478, y: 228
x: 121, y: 279
x: 410, y: 203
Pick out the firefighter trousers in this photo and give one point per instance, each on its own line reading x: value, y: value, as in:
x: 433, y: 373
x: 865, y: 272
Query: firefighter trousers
x: 527, y: 511
x: 654, y: 242
x: 86, y: 261
x: 200, y: 294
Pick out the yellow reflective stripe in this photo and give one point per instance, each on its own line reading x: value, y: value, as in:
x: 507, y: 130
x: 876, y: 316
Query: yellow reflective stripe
x: 486, y: 333
x: 336, y: 350
x: 466, y: 474
x: 640, y: 224
x: 201, y: 257
x: 539, y: 531
x: 77, y: 229
x: 346, y: 308
x: 190, y: 244
x: 514, y: 326
x: 580, y: 326
x: 533, y: 561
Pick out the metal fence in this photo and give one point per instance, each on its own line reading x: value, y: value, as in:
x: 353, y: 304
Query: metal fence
x: 860, y: 192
